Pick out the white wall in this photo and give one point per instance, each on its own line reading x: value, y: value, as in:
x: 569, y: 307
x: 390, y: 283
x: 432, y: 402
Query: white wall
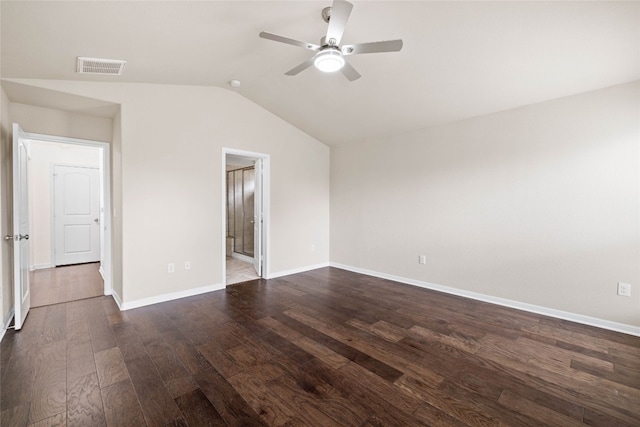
x: 42, y: 158
x: 116, y: 208
x: 171, y: 146
x: 538, y: 204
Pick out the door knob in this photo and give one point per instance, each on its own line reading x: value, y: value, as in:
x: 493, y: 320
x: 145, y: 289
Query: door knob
x: 8, y: 237
x: 96, y: 220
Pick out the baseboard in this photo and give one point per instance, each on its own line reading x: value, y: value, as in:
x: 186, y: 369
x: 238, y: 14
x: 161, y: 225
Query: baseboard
x: 128, y: 305
x: 545, y: 311
x: 40, y: 267
x: 101, y: 271
x: 243, y: 258
x: 117, y: 299
x: 5, y: 323
x: 297, y: 270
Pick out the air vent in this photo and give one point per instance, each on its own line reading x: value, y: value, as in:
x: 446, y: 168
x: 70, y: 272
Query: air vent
x: 100, y: 66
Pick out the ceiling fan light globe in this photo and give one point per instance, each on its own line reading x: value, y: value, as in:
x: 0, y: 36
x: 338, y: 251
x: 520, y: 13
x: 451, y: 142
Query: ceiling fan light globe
x: 329, y: 61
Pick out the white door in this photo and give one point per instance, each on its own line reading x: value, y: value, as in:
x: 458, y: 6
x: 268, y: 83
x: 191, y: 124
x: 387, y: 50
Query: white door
x: 76, y: 214
x: 21, y: 289
x: 257, y: 219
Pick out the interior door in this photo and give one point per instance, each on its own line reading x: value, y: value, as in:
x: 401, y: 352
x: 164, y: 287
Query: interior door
x: 21, y: 288
x: 77, y: 214
x: 257, y: 219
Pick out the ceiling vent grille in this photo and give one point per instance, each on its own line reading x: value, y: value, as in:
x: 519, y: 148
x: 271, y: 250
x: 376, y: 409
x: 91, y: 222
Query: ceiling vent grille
x: 100, y: 66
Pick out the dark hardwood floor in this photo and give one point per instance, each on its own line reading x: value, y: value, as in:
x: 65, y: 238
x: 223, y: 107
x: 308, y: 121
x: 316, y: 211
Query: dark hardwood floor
x: 65, y: 283
x: 323, y: 348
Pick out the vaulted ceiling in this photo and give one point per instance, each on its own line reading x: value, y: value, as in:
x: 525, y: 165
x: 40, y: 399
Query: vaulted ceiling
x: 459, y: 60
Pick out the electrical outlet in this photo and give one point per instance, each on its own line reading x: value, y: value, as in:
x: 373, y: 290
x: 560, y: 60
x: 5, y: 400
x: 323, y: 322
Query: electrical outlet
x: 624, y: 289
x: 422, y: 259
x: 171, y: 267
x: 187, y: 265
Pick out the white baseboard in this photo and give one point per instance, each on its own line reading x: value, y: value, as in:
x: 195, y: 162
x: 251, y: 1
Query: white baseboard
x: 551, y: 312
x: 40, y: 267
x: 5, y: 322
x: 101, y: 271
x: 297, y: 270
x: 128, y: 305
x: 117, y: 299
x: 243, y: 258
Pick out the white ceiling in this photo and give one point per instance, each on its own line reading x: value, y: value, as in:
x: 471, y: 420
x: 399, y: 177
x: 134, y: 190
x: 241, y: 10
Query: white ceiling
x: 460, y: 59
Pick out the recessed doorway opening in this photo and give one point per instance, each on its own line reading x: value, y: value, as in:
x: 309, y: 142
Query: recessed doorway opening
x: 244, y: 218
x: 67, y: 192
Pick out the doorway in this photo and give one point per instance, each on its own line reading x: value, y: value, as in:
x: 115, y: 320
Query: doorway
x: 68, y: 197
x: 244, y: 220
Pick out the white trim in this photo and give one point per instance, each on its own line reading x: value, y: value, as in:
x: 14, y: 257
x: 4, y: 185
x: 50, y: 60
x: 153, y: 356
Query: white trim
x: 5, y: 323
x: 105, y: 168
x: 167, y: 297
x: 298, y: 270
x: 117, y: 299
x: 40, y: 267
x: 243, y: 258
x: 52, y: 216
x: 545, y: 311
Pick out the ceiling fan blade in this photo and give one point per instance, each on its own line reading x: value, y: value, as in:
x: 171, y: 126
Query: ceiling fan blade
x: 350, y: 73
x: 295, y: 70
x: 340, y: 12
x: 287, y: 40
x: 373, y: 47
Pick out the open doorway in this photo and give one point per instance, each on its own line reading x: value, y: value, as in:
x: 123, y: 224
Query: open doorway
x: 244, y: 225
x: 67, y: 202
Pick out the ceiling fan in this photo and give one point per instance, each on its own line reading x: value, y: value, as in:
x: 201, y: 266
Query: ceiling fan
x: 329, y: 56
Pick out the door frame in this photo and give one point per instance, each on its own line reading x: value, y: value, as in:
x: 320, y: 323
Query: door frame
x: 266, y: 186
x: 106, y: 263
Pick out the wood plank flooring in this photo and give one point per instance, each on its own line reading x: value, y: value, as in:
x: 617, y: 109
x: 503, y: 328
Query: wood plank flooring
x: 322, y: 348
x: 65, y: 283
